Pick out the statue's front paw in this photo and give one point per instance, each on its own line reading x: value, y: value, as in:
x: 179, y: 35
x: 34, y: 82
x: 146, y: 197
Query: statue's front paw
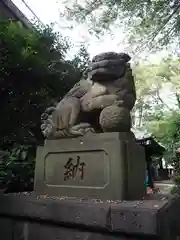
x: 47, y: 130
x: 47, y: 127
x: 81, y: 129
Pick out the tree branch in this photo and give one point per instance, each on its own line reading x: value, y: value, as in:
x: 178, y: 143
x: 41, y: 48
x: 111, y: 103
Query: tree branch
x: 160, y: 99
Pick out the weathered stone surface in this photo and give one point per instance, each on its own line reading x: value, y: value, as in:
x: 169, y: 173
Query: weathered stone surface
x: 137, y: 217
x: 21, y: 230
x: 168, y: 219
x: 110, y: 84
x: 35, y: 217
x: 106, y: 73
x: 102, y: 166
x: 115, y: 115
x: 6, y: 228
x: 107, y: 63
x: 111, y: 55
x: 33, y: 231
x: 68, y: 211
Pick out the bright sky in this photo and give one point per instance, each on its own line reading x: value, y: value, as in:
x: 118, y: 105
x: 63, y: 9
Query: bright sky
x: 48, y: 11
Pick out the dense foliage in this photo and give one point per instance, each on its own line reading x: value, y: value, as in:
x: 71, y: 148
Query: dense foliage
x: 158, y: 103
x: 33, y: 73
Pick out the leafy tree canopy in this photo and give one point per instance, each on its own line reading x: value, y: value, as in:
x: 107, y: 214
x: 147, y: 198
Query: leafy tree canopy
x: 158, y: 96
x: 153, y: 81
x: 33, y: 72
x: 146, y: 21
x: 167, y: 131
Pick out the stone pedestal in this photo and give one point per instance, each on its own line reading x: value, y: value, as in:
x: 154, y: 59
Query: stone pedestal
x: 104, y: 166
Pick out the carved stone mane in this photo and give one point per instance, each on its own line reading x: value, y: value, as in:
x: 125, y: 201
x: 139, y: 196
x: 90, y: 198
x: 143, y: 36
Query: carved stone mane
x: 101, y: 103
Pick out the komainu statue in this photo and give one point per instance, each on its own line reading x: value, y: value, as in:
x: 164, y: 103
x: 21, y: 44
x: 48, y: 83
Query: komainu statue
x: 101, y: 103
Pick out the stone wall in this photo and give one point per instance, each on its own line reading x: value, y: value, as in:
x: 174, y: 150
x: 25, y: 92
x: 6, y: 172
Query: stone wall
x: 30, y: 217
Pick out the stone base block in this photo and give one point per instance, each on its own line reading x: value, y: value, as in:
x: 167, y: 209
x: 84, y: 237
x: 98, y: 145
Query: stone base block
x: 32, y: 217
x: 103, y: 166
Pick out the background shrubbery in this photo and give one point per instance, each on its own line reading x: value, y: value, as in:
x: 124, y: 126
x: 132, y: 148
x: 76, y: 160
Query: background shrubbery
x: 33, y: 73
